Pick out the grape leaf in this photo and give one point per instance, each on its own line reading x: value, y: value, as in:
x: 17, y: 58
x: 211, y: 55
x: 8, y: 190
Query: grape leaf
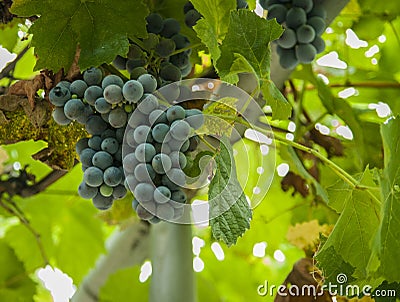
x: 229, y: 210
x: 212, y: 28
x: 213, y: 124
x: 357, y: 224
x: 248, y: 35
x: 246, y: 48
x: 15, y: 284
x: 387, y: 244
x: 100, y: 28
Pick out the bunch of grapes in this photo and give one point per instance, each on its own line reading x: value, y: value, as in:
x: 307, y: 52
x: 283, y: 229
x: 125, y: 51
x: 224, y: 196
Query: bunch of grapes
x: 103, y: 106
x: 164, y: 53
x: 304, y: 23
x: 192, y: 15
x: 159, y: 140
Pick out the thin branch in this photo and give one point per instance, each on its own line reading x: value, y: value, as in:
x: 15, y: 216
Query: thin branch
x: 42, y: 185
x: 10, y: 66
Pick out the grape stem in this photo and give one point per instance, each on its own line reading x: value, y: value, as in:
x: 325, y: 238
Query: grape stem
x: 115, y: 71
x: 185, y: 48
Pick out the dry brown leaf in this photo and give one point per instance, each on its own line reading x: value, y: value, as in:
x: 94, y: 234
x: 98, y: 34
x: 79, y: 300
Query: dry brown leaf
x: 28, y: 88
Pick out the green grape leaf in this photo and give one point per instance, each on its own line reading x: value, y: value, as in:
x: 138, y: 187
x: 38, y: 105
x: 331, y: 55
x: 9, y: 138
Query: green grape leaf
x: 15, y: 284
x: 387, y: 244
x: 213, y: 123
x: 124, y: 284
x: 230, y: 213
x: 248, y: 35
x: 100, y: 28
x: 197, y: 165
x: 212, y: 28
x: 9, y: 35
x: 357, y: 224
x: 333, y: 265
x: 281, y: 108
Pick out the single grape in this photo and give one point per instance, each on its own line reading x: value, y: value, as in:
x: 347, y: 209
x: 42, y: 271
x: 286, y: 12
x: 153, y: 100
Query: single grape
x: 318, y: 24
x: 162, y: 194
x: 86, y: 156
x: 119, y: 134
x: 179, y: 196
x: 177, y: 176
x: 144, y: 192
x: 95, y: 142
x: 170, y: 27
x: 95, y: 125
x: 147, y: 104
x: 108, y: 133
x: 81, y: 144
x: 131, y: 64
x: 118, y: 117
x: 288, y: 39
x: 180, y: 130
x: 181, y: 41
x: 59, y: 95
x: 93, y: 176
x: 306, y: 53
x: 287, y: 58
x: 165, y: 211
x: 106, y: 191
x: 307, y: 5
x: 144, y: 172
x: 186, y: 70
x: 78, y: 87
x: 87, y: 192
x: 120, y: 62
x: 170, y: 73
x: 92, y: 93
x: 101, y: 202
x: 119, y: 192
x: 319, y: 44
x: 159, y: 132
x: 110, y: 145
x: 157, y: 116
x: 148, y: 82
x: 102, y: 160
x: 154, y: 23
x: 178, y: 159
x: 137, y: 72
x: 175, y: 112
x: 295, y: 17
x: 161, y: 163
x: 165, y: 48
x: 277, y: 11
x: 305, y: 34
x: 112, y: 79
x: 60, y: 117
x: 135, y: 52
x: 191, y: 17
x: 113, y: 94
x: 92, y: 76
x: 132, y: 91
x: 112, y: 176
x: 73, y: 109
x: 151, y: 41
x: 141, y: 133
x: 180, y: 60
x: 194, y: 117
x: 194, y: 141
x: 102, y: 106
x: 145, y: 152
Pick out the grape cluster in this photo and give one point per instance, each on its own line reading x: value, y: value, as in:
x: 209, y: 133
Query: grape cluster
x: 103, y: 105
x: 304, y: 23
x: 192, y: 15
x: 163, y: 53
x: 159, y: 140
